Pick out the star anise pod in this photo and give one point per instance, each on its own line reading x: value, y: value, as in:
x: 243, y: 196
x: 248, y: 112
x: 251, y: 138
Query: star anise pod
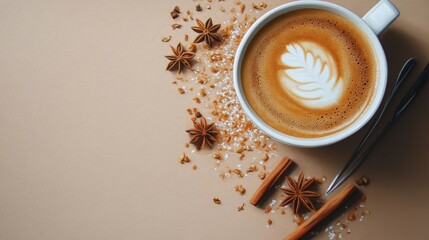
x: 180, y: 59
x: 298, y: 193
x: 203, y: 134
x: 207, y: 32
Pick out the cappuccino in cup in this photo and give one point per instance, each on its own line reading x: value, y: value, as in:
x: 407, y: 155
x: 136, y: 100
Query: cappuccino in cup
x: 309, y: 73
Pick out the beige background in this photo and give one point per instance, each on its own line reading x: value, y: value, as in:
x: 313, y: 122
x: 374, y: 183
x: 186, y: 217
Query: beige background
x: 91, y: 128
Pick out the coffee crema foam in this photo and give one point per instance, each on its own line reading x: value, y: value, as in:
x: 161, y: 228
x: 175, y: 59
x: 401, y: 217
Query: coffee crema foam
x: 309, y: 73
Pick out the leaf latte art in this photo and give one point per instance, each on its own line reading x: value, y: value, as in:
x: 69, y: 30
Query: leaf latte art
x: 310, y: 77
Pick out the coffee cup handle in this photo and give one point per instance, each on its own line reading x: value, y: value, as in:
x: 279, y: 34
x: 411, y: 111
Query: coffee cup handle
x: 381, y: 16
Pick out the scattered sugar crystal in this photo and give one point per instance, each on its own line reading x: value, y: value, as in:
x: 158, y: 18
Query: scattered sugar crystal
x: 212, y: 72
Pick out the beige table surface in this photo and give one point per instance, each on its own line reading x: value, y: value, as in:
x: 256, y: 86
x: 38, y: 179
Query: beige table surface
x: 91, y: 129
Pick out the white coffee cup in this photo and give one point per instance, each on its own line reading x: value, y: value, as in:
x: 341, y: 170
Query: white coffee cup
x: 372, y: 24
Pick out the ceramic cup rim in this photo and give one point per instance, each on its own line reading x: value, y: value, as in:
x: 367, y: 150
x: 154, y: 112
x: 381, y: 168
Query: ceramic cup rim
x: 381, y: 81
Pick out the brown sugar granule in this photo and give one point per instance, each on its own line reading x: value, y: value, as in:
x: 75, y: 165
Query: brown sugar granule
x: 248, y: 148
x: 209, y: 7
x: 203, y: 92
x: 214, y: 69
x: 240, y: 189
x: 217, y: 201
x: 362, y: 181
x: 298, y: 220
x: 242, y: 7
x: 320, y: 180
x: 265, y: 157
x: 184, y: 159
x: 240, y: 208
x: 283, y: 212
x: 176, y: 9
x: 216, y: 57
x: 181, y: 90
x: 239, y: 149
x: 174, y: 14
x: 197, y: 100
x: 217, y: 156
x: 186, y: 38
x: 192, y: 47
x: 185, y: 19
x: 189, y: 111
x: 351, y: 217
x: 365, y: 213
x: 222, y: 9
x: 166, y: 39
x: 176, y: 26
x: 237, y: 41
x: 202, y: 81
x: 186, y: 145
x: 259, y: 6
x: 198, y: 8
x: 238, y: 172
x: 194, y: 167
x: 269, y: 222
x: 262, y: 175
x: 198, y: 115
x: 268, y: 209
x: 252, y: 168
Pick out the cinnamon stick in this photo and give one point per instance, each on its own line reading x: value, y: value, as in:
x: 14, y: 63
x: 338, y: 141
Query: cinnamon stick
x: 270, y: 180
x: 329, y: 207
